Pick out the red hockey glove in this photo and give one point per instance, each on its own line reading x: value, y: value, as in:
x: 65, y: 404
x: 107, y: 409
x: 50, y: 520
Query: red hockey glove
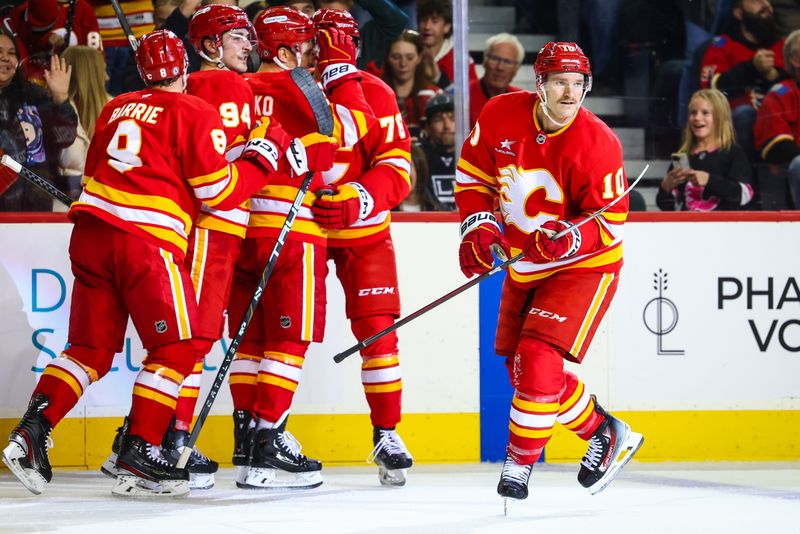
x: 480, y: 234
x: 344, y: 207
x: 312, y: 152
x: 336, y: 60
x: 540, y: 248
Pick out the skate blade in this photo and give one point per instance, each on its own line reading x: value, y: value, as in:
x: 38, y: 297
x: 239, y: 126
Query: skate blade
x: 392, y: 477
x: 30, y: 478
x: 508, y: 503
x: 133, y: 487
x: 201, y: 481
x: 241, y: 476
x: 266, y: 478
x: 109, y: 467
x: 631, y: 444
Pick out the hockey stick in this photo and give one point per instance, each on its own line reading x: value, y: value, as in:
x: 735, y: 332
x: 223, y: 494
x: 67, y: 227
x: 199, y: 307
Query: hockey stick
x: 35, y: 179
x: 322, y: 114
x: 68, y: 25
x: 457, y: 291
x: 126, y: 28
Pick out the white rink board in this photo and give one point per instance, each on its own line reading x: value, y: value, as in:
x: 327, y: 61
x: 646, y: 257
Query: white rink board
x: 721, y: 366
x: 444, y: 343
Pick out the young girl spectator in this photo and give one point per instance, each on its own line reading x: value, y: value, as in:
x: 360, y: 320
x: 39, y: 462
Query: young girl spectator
x: 404, y: 72
x: 35, y: 124
x: 87, y: 95
x: 718, y: 175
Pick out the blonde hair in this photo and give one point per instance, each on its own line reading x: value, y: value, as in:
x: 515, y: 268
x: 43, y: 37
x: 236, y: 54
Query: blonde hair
x: 724, y: 136
x: 87, y: 86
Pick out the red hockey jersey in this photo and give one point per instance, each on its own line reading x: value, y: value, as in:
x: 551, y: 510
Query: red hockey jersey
x: 233, y: 98
x: 155, y: 156
x: 508, y: 160
x: 779, y: 117
x: 380, y: 161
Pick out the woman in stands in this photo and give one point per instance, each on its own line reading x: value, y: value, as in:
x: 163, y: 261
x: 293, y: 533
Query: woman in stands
x: 716, y: 175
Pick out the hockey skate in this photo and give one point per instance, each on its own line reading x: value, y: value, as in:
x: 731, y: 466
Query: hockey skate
x: 109, y: 467
x: 26, y: 453
x: 201, y: 468
x: 144, y: 472
x: 611, y: 446
x: 276, y: 452
x: 244, y: 431
x: 513, y: 485
x: 391, y: 455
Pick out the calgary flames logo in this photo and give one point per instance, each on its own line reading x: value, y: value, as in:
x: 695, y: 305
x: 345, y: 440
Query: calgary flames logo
x: 516, y: 186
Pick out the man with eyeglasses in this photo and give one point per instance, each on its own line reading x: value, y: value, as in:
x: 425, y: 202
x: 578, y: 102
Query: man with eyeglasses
x: 501, y: 61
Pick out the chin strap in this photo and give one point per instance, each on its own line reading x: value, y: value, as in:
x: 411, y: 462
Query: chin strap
x: 543, y: 97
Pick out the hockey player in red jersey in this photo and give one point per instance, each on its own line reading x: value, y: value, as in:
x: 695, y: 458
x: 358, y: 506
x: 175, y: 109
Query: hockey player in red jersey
x: 223, y: 36
x: 267, y: 368
x: 548, y: 162
x: 370, y: 180
x: 145, y: 180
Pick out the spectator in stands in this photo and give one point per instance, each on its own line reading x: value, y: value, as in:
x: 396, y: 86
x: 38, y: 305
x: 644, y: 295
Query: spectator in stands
x: 777, y: 130
x: 254, y: 8
x: 140, y: 17
x: 744, y: 63
x: 718, y: 175
x: 787, y: 13
x: 162, y: 9
x: 87, y: 95
x: 435, y: 22
x: 35, y: 124
x: 501, y: 61
x: 404, y: 73
x: 304, y: 6
x: 420, y: 196
x: 438, y: 143
x: 40, y: 28
x: 386, y: 23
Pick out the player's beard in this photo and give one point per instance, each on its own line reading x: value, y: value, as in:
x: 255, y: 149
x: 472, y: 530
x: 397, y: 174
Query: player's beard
x: 765, y: 30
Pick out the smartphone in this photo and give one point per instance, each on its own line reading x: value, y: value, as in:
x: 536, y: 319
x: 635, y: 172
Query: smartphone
x: 680, y: 161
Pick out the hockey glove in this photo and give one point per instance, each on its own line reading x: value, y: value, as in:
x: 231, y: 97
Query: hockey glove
x: 312, y: 152
x: 336, y: 59
x: 350, y: 203
x: 266, y: 143
x: 540, y: 248
x: 480, y: 235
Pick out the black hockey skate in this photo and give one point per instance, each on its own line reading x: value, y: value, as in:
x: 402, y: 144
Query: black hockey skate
x: 109, y: 467
x: 275, y: 452
x: 244, y: 431
x: 513, y: 485
x: 391, y: 455
x: 26, y: 453
x: 611, y: 446
x: 201, y: 468
x: 144, y: 472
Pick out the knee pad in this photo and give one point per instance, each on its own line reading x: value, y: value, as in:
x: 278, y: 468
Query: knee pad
x: 179, y: 356
x: 96, y: 362
x: 538, y: 369
x: 364, y: 327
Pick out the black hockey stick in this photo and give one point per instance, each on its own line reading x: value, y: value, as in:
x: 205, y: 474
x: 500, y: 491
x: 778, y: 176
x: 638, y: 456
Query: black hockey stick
x: 68, y: 26
x: 322, y: 114
x: 35, y: 179
x: 126, y: 28
x: 457, y: 291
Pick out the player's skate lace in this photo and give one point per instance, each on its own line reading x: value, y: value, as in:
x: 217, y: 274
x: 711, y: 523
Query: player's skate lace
x: 391, y: 442
x: 154, y: 453
x: 289, y: 443
x: 49, y: 442
x: 514, y: 472
x: 594, y: 454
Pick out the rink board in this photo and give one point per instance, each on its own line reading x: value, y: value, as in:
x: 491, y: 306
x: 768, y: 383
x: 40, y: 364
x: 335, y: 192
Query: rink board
x: 700, y: 350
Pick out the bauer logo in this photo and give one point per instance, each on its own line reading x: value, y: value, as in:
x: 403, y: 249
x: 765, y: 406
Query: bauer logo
x: 661, y: 315
x: 161, y: 326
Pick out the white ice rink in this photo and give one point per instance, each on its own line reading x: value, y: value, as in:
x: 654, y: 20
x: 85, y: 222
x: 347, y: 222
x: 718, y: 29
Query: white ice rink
x: 725, y: 498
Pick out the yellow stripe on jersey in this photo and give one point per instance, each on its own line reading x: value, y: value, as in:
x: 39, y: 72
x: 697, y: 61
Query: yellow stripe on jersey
x: 276, y: 221
x: 591, y: 314
x: 287, y: 193
x: 308, y: 292
x: 613, y: 217
x: 475, y: 172
x: 178, y: 302
x: 361, y: 123
x: 134, y: 201
x: 355, y: 233
x: 607, y: 258
x: 206, y: 179
x: 199, y: 258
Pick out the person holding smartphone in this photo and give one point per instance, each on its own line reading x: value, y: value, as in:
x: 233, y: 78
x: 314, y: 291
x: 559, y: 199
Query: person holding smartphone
x: 710, y: 171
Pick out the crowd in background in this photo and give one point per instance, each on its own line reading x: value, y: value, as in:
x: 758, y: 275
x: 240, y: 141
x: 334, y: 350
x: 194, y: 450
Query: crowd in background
x: 722, y: 90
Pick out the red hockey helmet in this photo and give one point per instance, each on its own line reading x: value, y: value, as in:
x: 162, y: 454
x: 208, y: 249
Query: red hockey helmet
x: 211, y: 21
x: 561, y: 57
x: 281, y: 26
x: 160, y: 56
x: 339, y: 19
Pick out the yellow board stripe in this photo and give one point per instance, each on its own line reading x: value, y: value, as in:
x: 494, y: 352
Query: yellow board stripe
x: 528, y: 432
x: 383, y: 388
x: 57, y: 372
x: 599, y: 295
x: 276, y: 381
x: 154, y: 395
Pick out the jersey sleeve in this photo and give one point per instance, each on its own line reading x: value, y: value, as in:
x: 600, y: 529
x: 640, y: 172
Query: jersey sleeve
x: 715, y: 62
x: 476, y: 183
x: 774, y: 134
